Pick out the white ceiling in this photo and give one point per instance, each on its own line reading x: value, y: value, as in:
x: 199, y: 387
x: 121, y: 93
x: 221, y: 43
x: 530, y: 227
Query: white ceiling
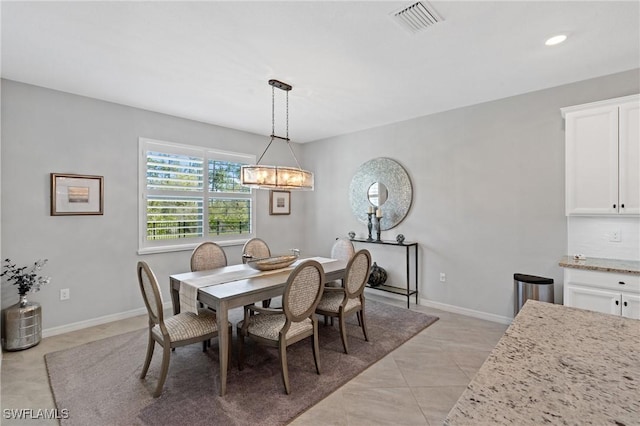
x: 351, y: 66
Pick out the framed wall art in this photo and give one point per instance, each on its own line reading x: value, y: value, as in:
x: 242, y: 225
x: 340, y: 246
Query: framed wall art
x: 279, y: 202
x: 76, y: 194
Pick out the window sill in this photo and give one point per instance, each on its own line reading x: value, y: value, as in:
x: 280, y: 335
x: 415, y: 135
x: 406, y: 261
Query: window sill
x: 188, y: 247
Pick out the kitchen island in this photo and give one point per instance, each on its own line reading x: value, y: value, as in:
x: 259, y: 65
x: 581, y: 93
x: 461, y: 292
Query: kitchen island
x: 560, y: 366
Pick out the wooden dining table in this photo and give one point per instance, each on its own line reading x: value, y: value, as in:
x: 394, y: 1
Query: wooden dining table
x: 223, y: 296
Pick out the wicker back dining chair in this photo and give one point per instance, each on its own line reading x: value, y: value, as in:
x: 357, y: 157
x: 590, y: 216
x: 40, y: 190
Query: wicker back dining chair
x: 342, y: 249
x: 207, y: 255
x: 293, y: 322
x: 178, y: 330
x: 255, y: 248
x: 347, y: 300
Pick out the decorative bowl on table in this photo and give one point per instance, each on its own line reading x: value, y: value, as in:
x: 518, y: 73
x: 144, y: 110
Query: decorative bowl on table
x: 271, y: 263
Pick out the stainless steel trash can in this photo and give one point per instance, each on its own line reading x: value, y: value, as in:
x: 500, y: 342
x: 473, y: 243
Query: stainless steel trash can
x: 531, y: 287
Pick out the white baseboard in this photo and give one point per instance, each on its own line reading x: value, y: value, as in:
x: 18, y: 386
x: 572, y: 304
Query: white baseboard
x: 54, y: 331
x: 467, y: 312
x: 443, y: 307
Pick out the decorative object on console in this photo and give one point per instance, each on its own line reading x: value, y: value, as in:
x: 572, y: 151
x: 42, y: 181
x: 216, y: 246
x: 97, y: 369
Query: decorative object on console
x: 400, y: 238
x: 277, y: 177
x: 377, y: 275
x: 378, y: 219
x: 22, y: 322
x: 369, y: 225
x: 381, y: 182
x: 352, y: 235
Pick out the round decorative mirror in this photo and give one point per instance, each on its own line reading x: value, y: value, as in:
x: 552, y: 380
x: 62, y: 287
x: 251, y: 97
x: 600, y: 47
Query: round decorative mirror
x: 384, y: 184
x: 377, y: 194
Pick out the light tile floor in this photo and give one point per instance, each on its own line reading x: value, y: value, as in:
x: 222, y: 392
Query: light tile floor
x: 417, y: 384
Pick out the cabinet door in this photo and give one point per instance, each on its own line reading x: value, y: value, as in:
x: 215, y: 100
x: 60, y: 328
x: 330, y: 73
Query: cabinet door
x: 592, y: 299
x: 629, y: 147
x: 592, y: 161
x: 630, y: 306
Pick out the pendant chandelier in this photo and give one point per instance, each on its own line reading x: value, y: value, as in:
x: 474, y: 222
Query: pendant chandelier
x: 277, y: 177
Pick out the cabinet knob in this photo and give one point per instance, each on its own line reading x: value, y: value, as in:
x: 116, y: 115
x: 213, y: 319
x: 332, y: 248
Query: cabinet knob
x: 614, y: 206
x: 622, y: 206
x: 621, y: 282
x: 624, y: 303
x: 617, y: 302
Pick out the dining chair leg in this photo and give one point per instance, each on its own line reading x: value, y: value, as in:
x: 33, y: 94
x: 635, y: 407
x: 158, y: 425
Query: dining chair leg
x: 150, y: 347
x: 343, y: 332
x: 229, y: 346
x: 364, y: 325
x: 285, y: 370
x: 166, y: 353
x: 240, y: 350
x: 316, y: 350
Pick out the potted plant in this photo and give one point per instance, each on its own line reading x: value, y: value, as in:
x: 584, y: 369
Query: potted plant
x: 22, y: 322
x: 26, y: 278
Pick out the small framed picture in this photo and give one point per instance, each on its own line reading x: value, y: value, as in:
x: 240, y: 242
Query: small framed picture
x: 279, y: 202
x: 76, y: 194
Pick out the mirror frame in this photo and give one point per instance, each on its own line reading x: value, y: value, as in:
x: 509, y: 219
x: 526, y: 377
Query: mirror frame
x: 399, y: 191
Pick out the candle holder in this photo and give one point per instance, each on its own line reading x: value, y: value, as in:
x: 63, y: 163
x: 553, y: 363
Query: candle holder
x: 378, y: 229
x: 369, y: 226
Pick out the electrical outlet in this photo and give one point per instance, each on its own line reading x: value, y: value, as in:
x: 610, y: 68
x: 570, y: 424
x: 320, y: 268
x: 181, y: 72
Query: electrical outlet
x: 443, y: 277
x: 615, y: 236
x: 65, y: 294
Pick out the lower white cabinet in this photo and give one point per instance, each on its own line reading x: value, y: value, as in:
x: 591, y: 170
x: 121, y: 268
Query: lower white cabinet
x: 606, y: 301
x: 610, y: 293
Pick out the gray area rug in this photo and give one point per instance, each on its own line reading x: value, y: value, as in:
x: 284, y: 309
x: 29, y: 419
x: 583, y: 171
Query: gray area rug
x: 98, y: 382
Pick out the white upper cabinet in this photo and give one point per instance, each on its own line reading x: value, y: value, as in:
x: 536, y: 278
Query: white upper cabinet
x: 629, y: 154
x: 603, y: 157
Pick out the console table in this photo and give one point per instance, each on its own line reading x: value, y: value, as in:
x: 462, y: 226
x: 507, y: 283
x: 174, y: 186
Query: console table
x: 406, y: 291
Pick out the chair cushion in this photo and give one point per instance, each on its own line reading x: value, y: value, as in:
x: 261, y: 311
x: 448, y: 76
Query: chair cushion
x: 187, y: 325
x: 269, y: 326
x: 331, y: 301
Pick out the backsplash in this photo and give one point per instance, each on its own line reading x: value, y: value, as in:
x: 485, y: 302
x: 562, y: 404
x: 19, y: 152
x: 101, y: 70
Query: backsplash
x: 592, y: 236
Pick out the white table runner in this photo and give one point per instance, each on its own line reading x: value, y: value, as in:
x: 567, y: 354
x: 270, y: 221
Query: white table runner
x: 189, y: 288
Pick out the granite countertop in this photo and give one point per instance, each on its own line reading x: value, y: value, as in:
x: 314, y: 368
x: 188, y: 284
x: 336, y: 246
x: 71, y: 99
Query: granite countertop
x: 557, y: 365
x: 600, y: 264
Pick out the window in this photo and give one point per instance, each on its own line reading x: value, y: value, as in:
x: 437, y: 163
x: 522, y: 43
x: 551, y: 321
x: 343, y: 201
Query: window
x: 191, y: 194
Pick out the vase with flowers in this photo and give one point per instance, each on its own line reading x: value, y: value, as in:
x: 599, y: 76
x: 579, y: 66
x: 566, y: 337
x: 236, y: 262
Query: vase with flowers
x: 22, y: 322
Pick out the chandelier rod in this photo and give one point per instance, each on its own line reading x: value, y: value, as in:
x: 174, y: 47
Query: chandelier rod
x: 286, y: 87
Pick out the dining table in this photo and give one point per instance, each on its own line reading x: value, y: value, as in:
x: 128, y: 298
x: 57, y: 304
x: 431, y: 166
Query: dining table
x: 239, y: 285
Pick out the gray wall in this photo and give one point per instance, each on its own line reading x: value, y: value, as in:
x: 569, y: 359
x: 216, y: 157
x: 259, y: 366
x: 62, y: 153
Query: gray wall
x: 45, y: 131
x: 488, y: 192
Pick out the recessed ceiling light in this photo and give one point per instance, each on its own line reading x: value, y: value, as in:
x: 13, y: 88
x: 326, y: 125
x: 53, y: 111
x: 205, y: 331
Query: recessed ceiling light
x: 556, y: 40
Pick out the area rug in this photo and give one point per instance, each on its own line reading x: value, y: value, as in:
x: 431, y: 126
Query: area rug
x: 98, y: 383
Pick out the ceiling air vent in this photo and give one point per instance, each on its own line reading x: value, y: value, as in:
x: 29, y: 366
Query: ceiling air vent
x: 416, y: 17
